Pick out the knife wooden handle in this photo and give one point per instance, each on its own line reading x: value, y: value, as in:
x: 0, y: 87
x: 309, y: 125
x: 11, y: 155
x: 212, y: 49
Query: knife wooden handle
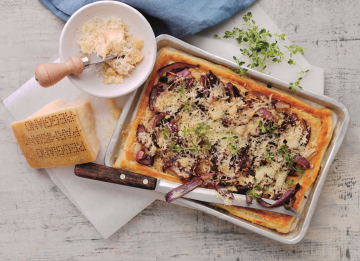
x: 112, y: 175
x: 48, y: 74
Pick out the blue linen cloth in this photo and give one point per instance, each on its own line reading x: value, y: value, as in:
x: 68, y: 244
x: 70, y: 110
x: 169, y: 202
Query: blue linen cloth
x: 175, y: 17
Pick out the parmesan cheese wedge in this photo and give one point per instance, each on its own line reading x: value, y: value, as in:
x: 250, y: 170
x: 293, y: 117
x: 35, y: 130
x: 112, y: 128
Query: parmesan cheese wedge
x: 60, y: 134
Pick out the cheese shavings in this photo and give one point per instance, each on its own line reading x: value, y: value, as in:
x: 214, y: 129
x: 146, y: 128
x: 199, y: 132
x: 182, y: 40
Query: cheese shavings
x: 111, y: 36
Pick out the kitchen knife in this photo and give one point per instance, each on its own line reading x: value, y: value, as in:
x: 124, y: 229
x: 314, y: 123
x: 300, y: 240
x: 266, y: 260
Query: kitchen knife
x: 48, y: 74
x: 118, y: 176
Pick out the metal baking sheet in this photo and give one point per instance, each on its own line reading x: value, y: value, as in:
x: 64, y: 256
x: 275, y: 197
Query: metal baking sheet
x: 341, y: 119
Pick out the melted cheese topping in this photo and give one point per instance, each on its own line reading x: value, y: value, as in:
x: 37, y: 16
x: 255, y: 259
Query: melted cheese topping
x: 229, y: 133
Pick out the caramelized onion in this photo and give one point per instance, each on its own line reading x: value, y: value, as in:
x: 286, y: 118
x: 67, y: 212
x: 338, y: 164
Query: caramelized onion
x: 293, y: 173
x: 206, y: 176
x: 301, y: 160
x: 282, y: 105
x: 266, y: 114
x: 144, y: 159
x: 172, y: 66
x: 248, y: 198
x: 169, y: 163
x: 247, y: 173
x: 157, y: 118
x: 223, y: 191
x: 244, y: 189
x: 212, y: 79
x: 230, y: 90
x: 182, y: 190
x: 290, y: 203
x: 189, y: 83
x: 173, y: 127
x: 140, y: 155
x: 294, y: 117
x: 284, y: 198
x: 140, y: 129
x: 203, y: 81
x: 307, y: 127
x: 152, y: 97
x: 184, y: 73
x: 236, y: 92
x: 259, y: 95
x: 180, y: 173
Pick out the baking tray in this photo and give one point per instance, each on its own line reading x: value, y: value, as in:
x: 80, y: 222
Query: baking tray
x: 341, y: 119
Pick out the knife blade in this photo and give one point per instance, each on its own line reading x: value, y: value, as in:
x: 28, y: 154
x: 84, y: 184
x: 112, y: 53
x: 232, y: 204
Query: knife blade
x: 118, y: 176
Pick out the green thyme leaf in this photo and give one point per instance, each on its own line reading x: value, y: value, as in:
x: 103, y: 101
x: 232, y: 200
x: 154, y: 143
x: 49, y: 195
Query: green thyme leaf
x: 260, y: 51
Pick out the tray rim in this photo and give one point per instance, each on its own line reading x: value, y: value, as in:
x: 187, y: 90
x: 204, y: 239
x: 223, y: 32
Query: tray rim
x: 283, y: 86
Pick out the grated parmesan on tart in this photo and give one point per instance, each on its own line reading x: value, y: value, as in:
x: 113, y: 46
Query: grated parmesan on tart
x: 200, y: 124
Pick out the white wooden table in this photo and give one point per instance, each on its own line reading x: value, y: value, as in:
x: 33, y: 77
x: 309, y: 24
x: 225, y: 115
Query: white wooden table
x: 37, y: 221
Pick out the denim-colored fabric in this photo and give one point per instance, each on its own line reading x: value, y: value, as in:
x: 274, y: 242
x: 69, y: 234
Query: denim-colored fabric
x: 175, y: 17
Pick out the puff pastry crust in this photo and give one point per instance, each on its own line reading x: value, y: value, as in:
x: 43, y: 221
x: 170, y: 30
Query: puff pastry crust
x: 320, y: 120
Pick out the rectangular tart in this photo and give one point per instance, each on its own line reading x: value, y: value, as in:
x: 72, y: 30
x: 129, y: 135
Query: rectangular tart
x: 201, y: 121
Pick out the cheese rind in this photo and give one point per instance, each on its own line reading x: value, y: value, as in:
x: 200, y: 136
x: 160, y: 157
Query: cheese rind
x: 60, y: 134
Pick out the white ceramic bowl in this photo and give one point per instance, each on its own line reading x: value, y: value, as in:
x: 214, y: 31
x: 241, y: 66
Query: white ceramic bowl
x: 89, y: 81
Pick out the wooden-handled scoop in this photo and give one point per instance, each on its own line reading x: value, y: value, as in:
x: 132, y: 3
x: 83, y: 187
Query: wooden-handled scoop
x: 48, y: 74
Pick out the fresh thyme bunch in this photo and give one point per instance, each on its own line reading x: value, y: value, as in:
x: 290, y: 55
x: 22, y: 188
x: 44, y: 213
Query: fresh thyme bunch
x: 260, y: 51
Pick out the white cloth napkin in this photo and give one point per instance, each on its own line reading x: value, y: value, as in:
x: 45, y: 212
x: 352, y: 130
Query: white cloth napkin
x: 108, y: 206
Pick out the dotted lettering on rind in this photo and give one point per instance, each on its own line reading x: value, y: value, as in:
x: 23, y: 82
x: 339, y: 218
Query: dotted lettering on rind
x: 51, y: 137
x: 50, y: 121
x: 63, y: 150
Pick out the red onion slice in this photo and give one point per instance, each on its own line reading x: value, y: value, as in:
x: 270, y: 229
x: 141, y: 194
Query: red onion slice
x: 282, y: 105
x: 143, y: 159
x: 169, y: 67
x: 230, y: 90
x: 173, y: 127
x: 236, y: 91
x: 266, y: 114
x: 260, y: 95
x: 244, y: 189
x: 140, y: 155
x: 157, y: 118
x: 248, y: 198
x: 293, y: 173
x: 284, y: 198
x: 169, y: 163
x: 190, y: 82
x: 206, y: 176
x: 224, y: 191
x: 180, y: 173
x: 307, y: 127
x: 301, y: 160
x: 203, y: 81
x: 140, y: 129
x: 293, y: 117
x: 184, y: 73
x: 290, y: 203
x: 247, y: 173
x: 212, y: 79
x: 152, y: 97
x: 182, y: 190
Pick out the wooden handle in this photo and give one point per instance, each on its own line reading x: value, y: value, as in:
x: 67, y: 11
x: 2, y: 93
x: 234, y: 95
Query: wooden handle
x: 118, y: 176
x: 48, y: 74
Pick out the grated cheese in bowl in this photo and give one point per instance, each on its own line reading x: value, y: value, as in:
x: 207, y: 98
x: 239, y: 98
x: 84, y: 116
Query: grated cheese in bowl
x: 109, y: 36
